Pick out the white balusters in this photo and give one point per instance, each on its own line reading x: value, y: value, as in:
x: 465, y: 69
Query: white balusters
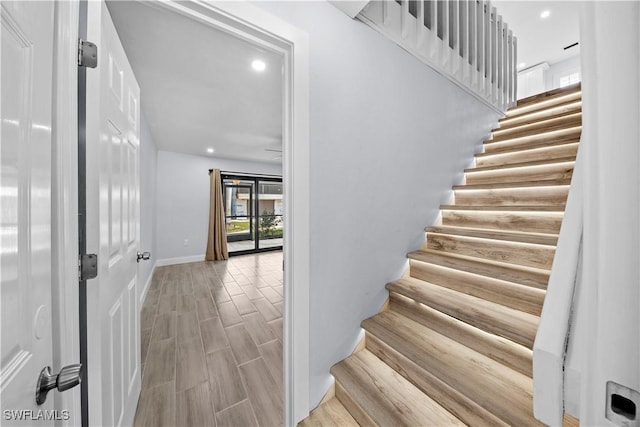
x: 464, y: 40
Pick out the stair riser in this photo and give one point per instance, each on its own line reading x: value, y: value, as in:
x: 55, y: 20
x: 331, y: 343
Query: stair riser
x: 507, y: 395
x: 525, y: 108
x: 354, y: 409
x: 329, y: 413
x: 533, y: 128
x: 518, y: 297
x: 521, y: 165
x: 499, y: 349
x: 519, y: 328
x: 511, y: 236
x: 516, y: 174
x: 458, y: 404
x: 550, y: 139
x: 536, y: 278
x: 533, y: 196
x: 537, y: 256
x: 567, y: 108
x: 533, y: 222
x: 536, y: 154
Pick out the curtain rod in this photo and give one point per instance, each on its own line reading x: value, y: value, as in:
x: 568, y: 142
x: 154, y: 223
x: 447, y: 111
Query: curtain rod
x: 246, y: 174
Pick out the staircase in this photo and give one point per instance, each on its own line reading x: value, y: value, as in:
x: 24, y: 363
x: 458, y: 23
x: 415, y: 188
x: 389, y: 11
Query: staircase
x: 454, y: 345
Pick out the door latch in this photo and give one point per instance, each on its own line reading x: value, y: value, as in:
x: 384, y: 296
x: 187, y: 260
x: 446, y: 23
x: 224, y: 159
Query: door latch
x: 143, y: 256
x: 68, y: 377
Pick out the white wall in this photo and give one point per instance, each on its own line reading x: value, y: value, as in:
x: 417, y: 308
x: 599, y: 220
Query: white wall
x: 561, y: 69
x: 610, y: 40
x: 532, y: 80
x: 544, y: 77
x: 183, y: 201
x: 388, y: 139
x: 148, y: 160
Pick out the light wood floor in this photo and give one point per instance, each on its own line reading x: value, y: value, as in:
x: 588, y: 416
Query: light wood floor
x: 212, y: 344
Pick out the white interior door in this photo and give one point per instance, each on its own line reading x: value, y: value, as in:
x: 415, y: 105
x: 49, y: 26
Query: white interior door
x: 112, y: 226
x: 25, y: 203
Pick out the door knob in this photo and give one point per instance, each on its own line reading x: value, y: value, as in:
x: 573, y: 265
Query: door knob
x: 68, y: 377
x: 144, y: 256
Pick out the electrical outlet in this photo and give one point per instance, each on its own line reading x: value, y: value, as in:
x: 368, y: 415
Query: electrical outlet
x: 622, y: 405
x: 186, y: 242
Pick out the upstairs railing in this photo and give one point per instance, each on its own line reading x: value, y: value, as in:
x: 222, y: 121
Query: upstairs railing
x: 464, y: 40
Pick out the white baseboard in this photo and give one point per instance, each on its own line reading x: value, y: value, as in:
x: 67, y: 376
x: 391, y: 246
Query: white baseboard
x: 143, y: 295
x: 179, y: 260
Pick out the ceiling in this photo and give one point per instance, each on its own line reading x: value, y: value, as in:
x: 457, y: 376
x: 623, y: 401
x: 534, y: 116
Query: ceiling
x: 542, y: 40
x: 198, y: 88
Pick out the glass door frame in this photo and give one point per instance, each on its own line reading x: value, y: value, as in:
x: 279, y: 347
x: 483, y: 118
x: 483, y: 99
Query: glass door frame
x: 250, y: 214
x: 254, y: 208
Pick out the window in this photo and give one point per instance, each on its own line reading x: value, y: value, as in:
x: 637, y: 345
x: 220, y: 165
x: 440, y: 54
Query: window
x: 569, y: 79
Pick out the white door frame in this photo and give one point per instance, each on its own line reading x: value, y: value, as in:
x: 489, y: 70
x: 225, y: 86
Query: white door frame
x: 255, y: 25
x: 64, y: 218
x: 259, y: 27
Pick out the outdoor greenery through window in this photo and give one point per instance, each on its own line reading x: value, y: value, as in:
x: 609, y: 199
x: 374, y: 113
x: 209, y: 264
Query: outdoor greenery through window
x: 253, y: 212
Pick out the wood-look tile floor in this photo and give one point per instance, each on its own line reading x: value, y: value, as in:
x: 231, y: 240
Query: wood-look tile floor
x: 212, y: 344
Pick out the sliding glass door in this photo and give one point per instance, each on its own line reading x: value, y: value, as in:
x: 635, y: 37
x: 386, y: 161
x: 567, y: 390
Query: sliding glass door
x: 253, y: 212
x: 270, y: 211
x: 239, y: 210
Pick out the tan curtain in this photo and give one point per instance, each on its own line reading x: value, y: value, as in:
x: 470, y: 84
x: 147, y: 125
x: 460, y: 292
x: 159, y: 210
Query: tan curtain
x: 217, y: 237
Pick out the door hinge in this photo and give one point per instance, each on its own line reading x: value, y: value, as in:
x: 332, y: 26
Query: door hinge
x: 87, y: 54
x: 88, y: 266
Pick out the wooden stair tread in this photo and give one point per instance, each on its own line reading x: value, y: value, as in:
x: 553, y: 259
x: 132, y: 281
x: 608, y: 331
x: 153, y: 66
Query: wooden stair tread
x: 494, y: 318
x: 386, y: 396
x: 460, y: 405
x: 529, y: 276
x: 549, y: 170
x: 570, y: 421
x: 521, y: 253
x: 527, y: 155
x: 520, y: 297
x: 546, y: 101
x: 514, y: 184
x: 518, y: 236
x: 561, y: 99
x: 502, y: 391
x: 523, y: 196
x: 566, y: 120
x: 531, y: 208
x: 551, y: 94
x: 557, y: 110
x: 503, y: 350
x: 522, y: 164
x: 523, y: 144
x: 330, y: 413
x: 530, y: 221
x: 533, y: 135
x: 539, y: 140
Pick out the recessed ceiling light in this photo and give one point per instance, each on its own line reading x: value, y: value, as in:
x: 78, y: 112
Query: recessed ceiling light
x: 545, y: 14
x: 522, y: 65
x: 210, y: 150
x: 258, y: 65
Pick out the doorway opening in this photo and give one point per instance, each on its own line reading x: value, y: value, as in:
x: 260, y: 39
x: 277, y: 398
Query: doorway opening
x: 270, y: 35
